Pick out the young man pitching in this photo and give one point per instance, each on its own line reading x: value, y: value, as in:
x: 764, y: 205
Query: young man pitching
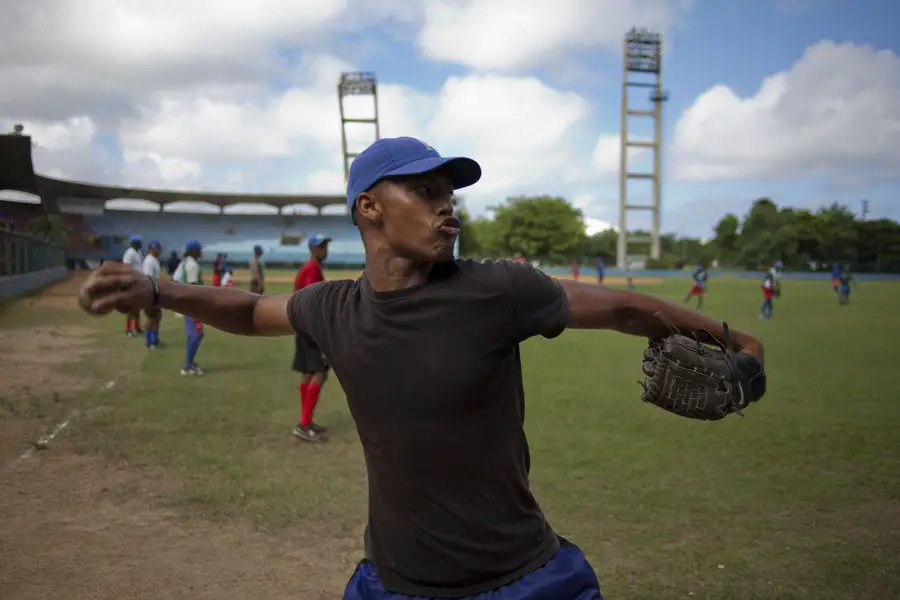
x: 426, y: 347
x: 134, y: 258
x: 189, y: 274
x: 309, y: 360
x: 152, y: 268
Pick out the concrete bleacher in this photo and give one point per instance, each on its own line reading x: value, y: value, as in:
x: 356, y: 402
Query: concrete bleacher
x: 233, y: 234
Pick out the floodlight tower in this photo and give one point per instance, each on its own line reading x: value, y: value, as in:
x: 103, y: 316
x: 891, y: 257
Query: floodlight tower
x: 356, y: 84
x: 642, y: 58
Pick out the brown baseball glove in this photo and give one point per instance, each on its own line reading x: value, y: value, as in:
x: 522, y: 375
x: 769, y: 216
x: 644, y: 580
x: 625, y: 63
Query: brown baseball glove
x: 698, y: 381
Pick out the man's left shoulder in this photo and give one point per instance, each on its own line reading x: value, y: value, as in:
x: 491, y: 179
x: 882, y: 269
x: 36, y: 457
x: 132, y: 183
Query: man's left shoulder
x: 500, y: 275
x: 489, y: 271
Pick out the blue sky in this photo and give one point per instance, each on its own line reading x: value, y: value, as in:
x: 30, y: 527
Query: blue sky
x: 530, y: 88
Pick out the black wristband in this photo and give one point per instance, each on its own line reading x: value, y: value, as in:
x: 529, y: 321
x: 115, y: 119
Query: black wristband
x: 155, y: 283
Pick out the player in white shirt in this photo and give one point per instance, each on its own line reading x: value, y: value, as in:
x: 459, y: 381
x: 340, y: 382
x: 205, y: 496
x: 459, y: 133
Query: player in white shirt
x: 188, y: 273
x: 152, y: 268
x: 775, y: 272
x: 135, y: 259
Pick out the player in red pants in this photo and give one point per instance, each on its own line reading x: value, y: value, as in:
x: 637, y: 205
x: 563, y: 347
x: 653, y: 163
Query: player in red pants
x: 308, y: 357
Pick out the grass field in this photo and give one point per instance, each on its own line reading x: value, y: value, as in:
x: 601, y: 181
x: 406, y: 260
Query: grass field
x: 163, y: 487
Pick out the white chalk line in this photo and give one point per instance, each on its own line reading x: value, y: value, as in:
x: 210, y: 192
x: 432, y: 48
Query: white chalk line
x: 44, y: 441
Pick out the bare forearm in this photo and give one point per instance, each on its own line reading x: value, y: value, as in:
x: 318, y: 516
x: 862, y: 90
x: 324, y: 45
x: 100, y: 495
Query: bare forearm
x: 228, y: 309
x: 652, y: 317
x: 598, y: 307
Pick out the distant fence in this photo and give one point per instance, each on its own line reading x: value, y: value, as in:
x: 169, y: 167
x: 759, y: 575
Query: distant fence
x: 28, y: 264
x: 21, y: 254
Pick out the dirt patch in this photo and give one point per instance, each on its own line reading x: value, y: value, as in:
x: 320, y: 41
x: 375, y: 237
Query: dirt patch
x: 60, y: 295
x: 71, y: 527
x: 78, y: 526
x: 35, y: 380
x: 33, y: 357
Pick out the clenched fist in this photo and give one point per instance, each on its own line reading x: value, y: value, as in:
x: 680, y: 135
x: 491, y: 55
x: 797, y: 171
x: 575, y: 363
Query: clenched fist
x: 116, y: 286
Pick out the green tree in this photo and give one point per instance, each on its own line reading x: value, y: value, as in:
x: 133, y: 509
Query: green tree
x: 542, y: 228
x: 767, y: 234
x: 603, y: 244
x: 468, y: 238
x: 878, y: 247
x: 727, y: 238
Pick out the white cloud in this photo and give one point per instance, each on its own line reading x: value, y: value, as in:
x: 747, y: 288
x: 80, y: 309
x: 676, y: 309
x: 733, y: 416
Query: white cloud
x: 514, y: 34
x: 145, y: 169
x: 517, y: 128
x: 592, y: 225
x: 185, y: 141
x: 112, y: 50
x: 834, y: 113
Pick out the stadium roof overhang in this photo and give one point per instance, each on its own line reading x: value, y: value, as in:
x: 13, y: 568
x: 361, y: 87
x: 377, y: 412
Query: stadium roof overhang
x: 57, y: 188
x: 17, y: 173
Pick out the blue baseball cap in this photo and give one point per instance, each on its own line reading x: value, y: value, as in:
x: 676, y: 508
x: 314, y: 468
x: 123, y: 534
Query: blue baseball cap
x: 317, y: 239
x: 134, y: 238
x: 154, y: 244
x: 192, y: 246
x: 258, y: 249
x: 393, y: 157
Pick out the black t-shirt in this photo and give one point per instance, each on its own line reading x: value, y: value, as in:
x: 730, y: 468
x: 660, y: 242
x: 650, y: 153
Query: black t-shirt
x: 433, y: 379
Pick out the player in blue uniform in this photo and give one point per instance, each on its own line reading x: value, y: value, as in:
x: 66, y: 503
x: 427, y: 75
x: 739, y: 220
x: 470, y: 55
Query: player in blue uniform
x: 836, y: 277
x: 845, y: 283
x: 700, y: 276
x: 601, y: 268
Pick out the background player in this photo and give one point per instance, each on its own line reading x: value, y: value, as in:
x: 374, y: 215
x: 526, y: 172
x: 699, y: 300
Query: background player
x: 845, y: 282
x: 601, y: 269
x: 576, y: 270
x: 768, y: 290
x: 257, y: 277
x: 701, y: 275
x: 172, y: 264
x: 629, y: 277
x: 309, y: 360
x: 218, y: 270
x: 836, y: 277
x: 134, y: 258
x: 152, y: 268
x: 189, y: 273
x: 776, y: 277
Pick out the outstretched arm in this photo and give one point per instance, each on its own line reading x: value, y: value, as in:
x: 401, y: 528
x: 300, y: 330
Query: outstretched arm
x: 115, y: 286
x: 599, y: 307
x: 229, y: 309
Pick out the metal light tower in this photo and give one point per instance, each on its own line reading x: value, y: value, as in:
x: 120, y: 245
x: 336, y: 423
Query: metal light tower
x: 642, y: 57
x: 356, y: 84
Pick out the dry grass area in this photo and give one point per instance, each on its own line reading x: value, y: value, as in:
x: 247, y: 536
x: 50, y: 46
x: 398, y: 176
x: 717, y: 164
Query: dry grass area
x: 79, y: 525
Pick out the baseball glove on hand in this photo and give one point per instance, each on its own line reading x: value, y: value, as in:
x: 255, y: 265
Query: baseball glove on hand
x: 698, y: 381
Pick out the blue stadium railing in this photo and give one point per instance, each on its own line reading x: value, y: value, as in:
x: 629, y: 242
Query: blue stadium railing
x: 21, y: 254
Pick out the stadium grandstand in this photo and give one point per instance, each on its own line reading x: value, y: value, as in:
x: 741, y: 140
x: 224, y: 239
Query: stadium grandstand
x: 96, y: 232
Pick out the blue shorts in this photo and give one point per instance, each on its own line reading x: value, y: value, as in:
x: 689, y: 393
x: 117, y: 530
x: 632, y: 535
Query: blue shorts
x: 844, y: 289
x: 566, y: 576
